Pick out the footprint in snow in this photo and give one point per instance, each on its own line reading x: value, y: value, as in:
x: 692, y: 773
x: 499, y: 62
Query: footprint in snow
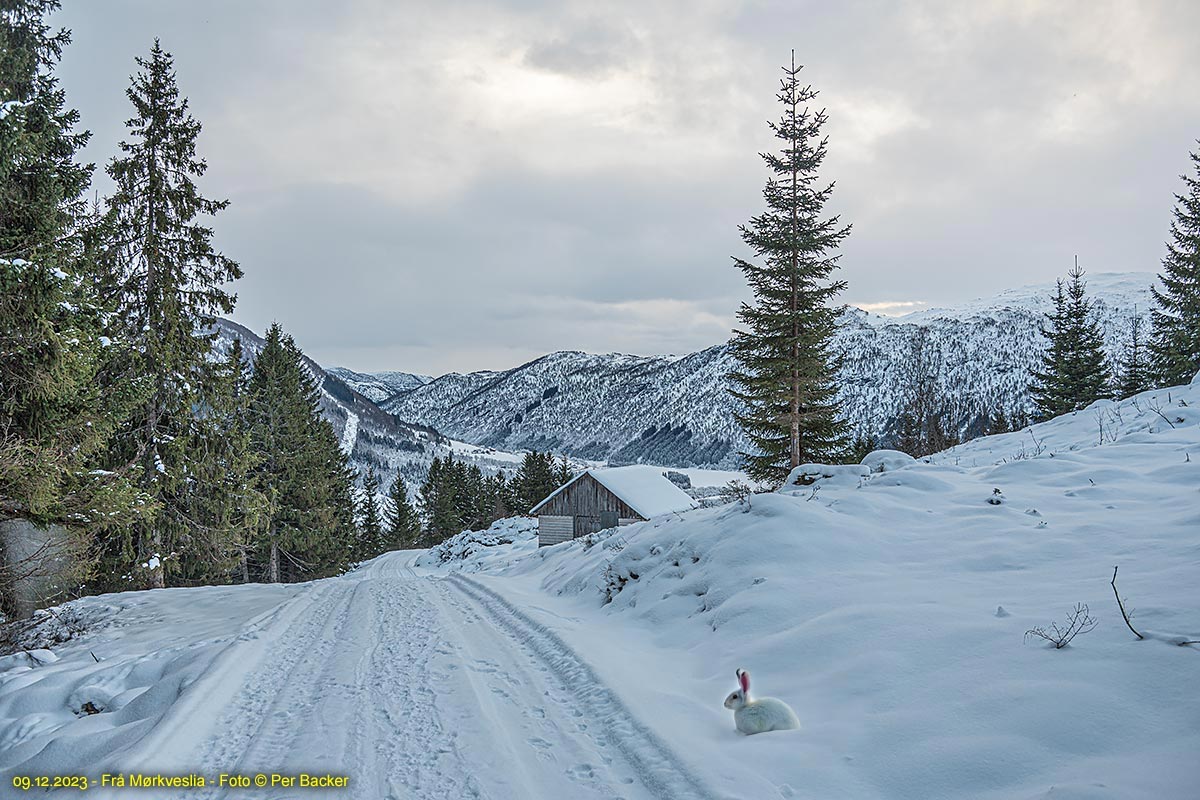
x: 582, y: 772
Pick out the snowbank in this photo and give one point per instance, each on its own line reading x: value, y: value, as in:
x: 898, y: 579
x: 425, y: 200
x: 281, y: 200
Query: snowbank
x: 471, y: 551
x: 888, y: 604
x: 115, y: 672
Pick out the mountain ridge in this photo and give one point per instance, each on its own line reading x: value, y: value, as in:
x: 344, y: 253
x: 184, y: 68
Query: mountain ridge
x: 676, y: 410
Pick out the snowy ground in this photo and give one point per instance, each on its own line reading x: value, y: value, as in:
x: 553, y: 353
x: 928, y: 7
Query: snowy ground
x: 888, y: 607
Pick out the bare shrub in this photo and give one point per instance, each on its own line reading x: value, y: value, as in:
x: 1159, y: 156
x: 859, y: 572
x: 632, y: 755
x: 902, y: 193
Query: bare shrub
x: 1078, y: 621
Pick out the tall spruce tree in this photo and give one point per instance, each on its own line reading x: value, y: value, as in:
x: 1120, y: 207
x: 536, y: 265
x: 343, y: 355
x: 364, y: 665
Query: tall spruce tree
x: 303, y: 473
x: 1133, y: 370
x: 170, y: 283
x: 1074, y: 373
x: 371, y: 540
x: 1175, y: 344
x: 444, y: 499
x: 55, y: 420
x: 786, y: 371
x: 403, y: 522
x: 223, y: 502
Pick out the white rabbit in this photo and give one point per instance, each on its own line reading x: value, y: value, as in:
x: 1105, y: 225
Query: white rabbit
x: 759, y: 716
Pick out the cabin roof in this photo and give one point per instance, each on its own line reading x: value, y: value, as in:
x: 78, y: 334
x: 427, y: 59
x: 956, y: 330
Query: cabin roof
x: 642, y: 488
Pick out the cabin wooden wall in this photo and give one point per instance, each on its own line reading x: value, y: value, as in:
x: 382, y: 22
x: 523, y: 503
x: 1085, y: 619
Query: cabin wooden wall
x: 555, y: 530
x: 576, y: 510
x: 586, y: 497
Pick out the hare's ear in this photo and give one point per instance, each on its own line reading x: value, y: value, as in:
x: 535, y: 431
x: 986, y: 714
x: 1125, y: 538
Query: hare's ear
x: 744, y: 679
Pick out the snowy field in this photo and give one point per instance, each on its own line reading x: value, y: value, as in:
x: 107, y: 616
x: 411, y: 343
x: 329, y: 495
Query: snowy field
x: 888, y: 604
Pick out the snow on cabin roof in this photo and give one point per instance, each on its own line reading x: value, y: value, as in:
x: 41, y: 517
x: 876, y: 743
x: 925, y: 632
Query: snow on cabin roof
x: 642, y: 488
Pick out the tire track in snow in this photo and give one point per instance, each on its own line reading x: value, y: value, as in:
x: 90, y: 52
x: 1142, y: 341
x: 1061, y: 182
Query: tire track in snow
x: 408, y: 752
x: 340, y: 692
x: 657, y: 767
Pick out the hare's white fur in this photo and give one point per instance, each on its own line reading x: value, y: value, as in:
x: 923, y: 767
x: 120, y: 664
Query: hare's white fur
x: 761, y: 715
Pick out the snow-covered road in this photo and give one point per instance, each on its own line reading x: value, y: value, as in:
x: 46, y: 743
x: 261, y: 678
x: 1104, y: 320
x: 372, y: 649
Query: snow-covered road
x: 416, y: 686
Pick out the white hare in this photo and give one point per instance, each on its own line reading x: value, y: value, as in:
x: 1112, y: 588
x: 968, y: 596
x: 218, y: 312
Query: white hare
x: 759, y: 716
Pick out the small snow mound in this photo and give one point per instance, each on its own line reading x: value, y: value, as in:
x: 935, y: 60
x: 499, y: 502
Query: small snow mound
x: 808, y: 474
x: 464, y: 546
x: 92, y: 699
x: 1196, y: 379
x: 886, y: 460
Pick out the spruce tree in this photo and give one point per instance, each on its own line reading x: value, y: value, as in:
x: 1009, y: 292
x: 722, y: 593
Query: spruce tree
x: 1133, y: 371
x: 403, y: 522
x: 1049, y: 389
x: 535, y: 480
x: 439, y: 499
x: 1074, y: 373
x: 1175, y: 344
x: 303, y: 473
x: 54, y: 417
x: 496, y: 495
x: 370, y: 530
x: 170, y: 283
x: 997, y: 422
x: 786, y: 372
x: 565, y: 473
x: 223, y: 500
x: 472, y: 513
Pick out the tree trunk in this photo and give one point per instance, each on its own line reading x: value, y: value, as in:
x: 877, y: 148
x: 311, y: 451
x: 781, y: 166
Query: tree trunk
x: 274, y: 569
x: 158, y: 579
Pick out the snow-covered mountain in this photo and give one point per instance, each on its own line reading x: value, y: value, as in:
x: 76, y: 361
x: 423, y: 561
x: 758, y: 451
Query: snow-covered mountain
x: 381, y: 386
x: 372, y: 436
x: 678, y: 411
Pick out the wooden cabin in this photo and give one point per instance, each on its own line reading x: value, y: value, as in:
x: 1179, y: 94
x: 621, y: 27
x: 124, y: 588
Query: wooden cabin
x: 598, y: 499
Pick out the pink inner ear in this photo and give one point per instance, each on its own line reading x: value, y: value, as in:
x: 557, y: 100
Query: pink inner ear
x: 744, y: 679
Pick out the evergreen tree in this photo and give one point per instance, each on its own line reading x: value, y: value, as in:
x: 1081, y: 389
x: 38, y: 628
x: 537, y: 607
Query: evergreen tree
x: 305, y: 476
x: 495, y: 499
x: 565, y: 473
x: 997, y: 422
x: 170, y: 284
x: 440, y: 499
x: 1175, y: 345
x: 860, y: 447
x: 1049, y: 389
x: 222, y: 501
x: 786, y: 372
x: 370, y: 531
x: 403, y: 522
x: 535, y: 480
x: 55, y: 420
x: 1074, y: 373
x: 1133, y: 371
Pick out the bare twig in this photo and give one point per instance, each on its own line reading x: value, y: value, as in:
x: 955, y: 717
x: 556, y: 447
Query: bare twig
x: 1039, y: 447
x: 1078, y: 621
x: 1157, y: 407
x: 1121, y: 605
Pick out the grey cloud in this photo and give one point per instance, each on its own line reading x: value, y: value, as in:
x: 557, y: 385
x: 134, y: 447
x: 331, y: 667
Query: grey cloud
x: 594, y: 48
x: 393, y: 219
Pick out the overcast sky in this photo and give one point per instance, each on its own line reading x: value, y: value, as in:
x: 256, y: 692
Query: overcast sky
x: 438, y: 186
